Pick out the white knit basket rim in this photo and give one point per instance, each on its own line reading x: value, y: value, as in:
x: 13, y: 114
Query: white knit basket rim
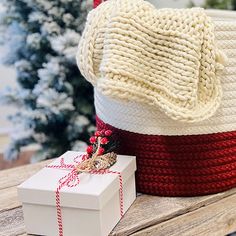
x: 156, y: 123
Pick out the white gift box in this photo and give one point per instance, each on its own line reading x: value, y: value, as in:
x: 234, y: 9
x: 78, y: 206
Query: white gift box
x: 91, y: 208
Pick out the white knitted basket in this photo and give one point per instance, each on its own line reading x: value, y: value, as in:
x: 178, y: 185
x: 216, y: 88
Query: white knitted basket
x: 138, y: 118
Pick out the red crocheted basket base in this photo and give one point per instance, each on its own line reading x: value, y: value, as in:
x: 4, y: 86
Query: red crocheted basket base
x: 189, y: 165
x: 96, y: 3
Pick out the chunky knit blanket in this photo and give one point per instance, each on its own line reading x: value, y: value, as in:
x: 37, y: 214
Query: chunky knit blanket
x: 166, y: 58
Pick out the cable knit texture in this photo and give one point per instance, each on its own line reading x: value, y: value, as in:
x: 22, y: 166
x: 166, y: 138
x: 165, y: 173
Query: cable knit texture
x: 140, y: 118
x: 166, y: 58
x: 180, y: 165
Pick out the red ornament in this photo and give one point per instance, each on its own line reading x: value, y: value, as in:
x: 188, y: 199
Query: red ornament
x: 90, y: 149
x: 97, y: 133
x: 104, y: 140
x: 93, y: 139
x: 102, y: 132
x: 108, y: 132
x: 101, y: 151
x: 97, y: 2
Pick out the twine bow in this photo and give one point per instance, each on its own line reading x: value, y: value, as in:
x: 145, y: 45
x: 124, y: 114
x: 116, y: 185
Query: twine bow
x: 72, y: 180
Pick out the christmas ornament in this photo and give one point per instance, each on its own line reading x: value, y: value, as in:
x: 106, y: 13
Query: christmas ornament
x: 99, y: 154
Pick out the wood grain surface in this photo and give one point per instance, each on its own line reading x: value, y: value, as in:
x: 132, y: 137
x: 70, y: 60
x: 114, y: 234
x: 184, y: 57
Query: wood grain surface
x: 149, y: 215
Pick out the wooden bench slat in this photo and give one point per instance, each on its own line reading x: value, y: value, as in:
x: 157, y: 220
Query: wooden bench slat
x: 12, y: 222
x: 15, y: 176
x: 216, y: 219
x: 9, y: 199
x: 147, y: 213
x: 151, y: 210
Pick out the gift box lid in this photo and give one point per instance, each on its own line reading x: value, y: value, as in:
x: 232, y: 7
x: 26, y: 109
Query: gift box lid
x: 92, y: 192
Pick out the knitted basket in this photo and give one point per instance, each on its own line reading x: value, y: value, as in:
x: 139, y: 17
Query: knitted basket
x: 97, y: 2
x: 175, y: 158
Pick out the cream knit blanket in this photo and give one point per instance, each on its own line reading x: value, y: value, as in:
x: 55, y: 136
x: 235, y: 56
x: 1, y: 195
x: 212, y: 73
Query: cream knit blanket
x: 167, y: 58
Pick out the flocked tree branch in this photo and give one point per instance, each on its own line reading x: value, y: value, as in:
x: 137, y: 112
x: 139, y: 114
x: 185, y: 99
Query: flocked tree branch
x: 54, y: 102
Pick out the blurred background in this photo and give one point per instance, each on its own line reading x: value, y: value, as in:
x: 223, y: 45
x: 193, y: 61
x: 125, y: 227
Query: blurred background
x: 46, y: 106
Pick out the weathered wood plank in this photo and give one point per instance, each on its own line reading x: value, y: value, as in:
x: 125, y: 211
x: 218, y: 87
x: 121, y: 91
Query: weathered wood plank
x: 8, y: 199
x: 151, y: 210
x: 17, y: 175
x: 217, y: 219
x: 15, y: 223
x: 11, y: 222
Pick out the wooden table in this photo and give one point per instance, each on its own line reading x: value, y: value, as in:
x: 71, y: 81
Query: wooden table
x: 149, y: 215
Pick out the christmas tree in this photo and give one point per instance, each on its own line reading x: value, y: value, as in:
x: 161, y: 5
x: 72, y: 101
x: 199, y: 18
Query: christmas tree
x: 55, y: 103
x: 221, y: 4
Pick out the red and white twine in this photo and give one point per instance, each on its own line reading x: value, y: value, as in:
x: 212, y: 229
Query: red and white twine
x: 72, y: 180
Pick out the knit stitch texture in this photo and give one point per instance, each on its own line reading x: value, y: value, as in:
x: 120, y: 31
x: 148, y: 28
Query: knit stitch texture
x: 166, y: 58
x: 140, y: 118
x: 188, y: 165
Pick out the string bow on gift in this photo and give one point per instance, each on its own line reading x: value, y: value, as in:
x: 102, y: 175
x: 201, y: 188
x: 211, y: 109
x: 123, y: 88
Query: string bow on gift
x: 94, y: 162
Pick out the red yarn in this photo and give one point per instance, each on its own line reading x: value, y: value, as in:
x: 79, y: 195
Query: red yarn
x: 97, y: 2
x: 186, y: 165
x: 72, y: 180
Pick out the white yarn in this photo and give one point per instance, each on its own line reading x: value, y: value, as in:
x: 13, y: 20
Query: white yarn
x: 138, y: 118
x: 166, y: 58
x: 221, y: 15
